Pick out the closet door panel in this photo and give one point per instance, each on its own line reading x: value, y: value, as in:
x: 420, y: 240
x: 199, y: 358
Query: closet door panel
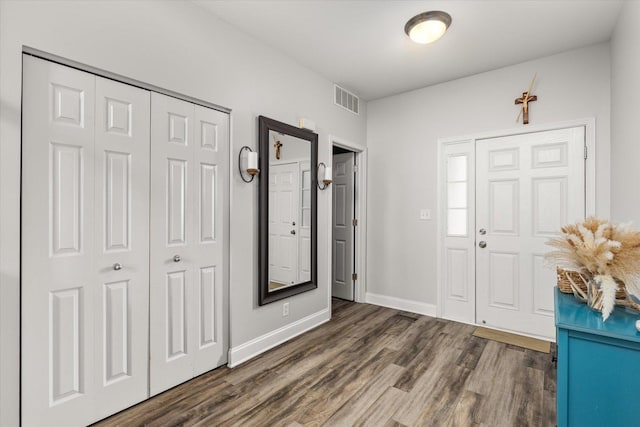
x: 172, y: 287
x: 125, y: 201
x: 57, y: 263
x: 211, y: 156
x: 189, y: 209
x: 122, y: 244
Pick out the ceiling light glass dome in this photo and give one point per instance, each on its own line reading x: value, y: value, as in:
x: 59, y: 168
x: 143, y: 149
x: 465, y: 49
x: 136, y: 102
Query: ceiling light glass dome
x: 427, y: 27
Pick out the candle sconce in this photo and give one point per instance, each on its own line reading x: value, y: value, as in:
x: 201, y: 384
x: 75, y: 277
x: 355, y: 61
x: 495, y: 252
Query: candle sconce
x: 252, y: 164
x: 326, y: 176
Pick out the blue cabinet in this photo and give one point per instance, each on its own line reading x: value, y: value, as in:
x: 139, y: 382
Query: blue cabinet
x: 598, y: 366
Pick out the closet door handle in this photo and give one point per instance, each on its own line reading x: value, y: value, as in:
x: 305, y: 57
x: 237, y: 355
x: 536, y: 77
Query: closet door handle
x: 117, y: 266
x: 176, y: 258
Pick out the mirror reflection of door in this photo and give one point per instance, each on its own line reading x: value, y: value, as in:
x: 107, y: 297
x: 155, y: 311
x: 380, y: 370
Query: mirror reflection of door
x: 343, y: 255
x: 289, y: 211
x: 304, y: 236
x: 283, y: 225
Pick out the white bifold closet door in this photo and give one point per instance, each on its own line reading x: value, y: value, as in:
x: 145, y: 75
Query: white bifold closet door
x: 90, y: 146
x: 188, y: 180
x: 85, y: 245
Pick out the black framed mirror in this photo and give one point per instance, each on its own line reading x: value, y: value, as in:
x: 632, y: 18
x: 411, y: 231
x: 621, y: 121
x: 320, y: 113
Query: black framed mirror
x: 288, y: 210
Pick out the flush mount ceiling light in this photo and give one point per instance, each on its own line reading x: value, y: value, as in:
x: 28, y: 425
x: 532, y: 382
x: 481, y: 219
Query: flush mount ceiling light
x: 427, y: 27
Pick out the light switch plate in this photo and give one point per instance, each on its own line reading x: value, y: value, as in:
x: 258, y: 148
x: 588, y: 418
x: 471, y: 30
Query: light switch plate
x: 425, y: 214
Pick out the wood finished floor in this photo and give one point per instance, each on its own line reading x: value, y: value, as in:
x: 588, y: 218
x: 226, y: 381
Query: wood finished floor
x: 368, y: 366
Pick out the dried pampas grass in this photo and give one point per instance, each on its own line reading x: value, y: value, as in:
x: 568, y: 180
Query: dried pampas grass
x: 602, y: 251
x: 605, y: 299
x: 597, y: 247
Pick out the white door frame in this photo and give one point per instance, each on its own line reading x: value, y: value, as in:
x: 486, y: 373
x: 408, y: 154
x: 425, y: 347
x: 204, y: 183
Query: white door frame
x: 590, y: 180
x: 360, y: 241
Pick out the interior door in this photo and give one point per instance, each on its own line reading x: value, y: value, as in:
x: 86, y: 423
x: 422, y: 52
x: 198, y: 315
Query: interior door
x: 58, y: 267
x: 121, y: 245
x: 188, y: 198
x: 342, y: 285
x: 283, y: 224
x: 84, y: 210
x: 210, y: 220
x: 528, y: 186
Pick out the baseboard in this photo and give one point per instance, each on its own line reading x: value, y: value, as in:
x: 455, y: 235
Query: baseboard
x: 401, y: 304
x: 256, y: 346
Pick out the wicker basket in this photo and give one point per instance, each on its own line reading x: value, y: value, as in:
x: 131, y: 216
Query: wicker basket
x: 566, y: 277
x: 574, y: 282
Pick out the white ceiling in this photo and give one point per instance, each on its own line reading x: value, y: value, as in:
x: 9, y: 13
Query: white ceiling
x: 361, y: 45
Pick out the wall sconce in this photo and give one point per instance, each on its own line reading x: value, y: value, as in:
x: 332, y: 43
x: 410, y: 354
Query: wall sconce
x: 326, y: 176
x: 252, y: 163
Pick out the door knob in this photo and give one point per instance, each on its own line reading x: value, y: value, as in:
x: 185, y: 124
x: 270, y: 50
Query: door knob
x: 482, y: 244
x: 293, y: 231
x: 117, y: 266
x: 176, y: 258
x: 483, y: 231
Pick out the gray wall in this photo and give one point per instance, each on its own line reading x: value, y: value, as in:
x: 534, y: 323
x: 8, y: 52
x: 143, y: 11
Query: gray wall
x: 178, y: 46
x: 625, y: 115
x: 402, y: 134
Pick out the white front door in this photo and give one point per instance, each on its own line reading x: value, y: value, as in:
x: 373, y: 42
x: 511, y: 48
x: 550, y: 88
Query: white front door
x: 188, y: 180
x: 342, y: 285
x: 84, y: 255
x: 527, y: 187
x: 284, y: 210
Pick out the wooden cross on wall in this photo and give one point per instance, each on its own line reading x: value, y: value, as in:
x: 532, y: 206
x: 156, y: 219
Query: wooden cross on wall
x: 277, y: 145
x: 525, y: 100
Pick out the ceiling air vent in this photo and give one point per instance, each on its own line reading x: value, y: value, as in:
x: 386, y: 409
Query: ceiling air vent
x: 346, y: 100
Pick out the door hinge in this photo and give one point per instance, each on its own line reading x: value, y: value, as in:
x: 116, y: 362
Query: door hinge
x: 354, y: 222
x: 355, y: 168
x: 354, y: 276
x: 585, y: 152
